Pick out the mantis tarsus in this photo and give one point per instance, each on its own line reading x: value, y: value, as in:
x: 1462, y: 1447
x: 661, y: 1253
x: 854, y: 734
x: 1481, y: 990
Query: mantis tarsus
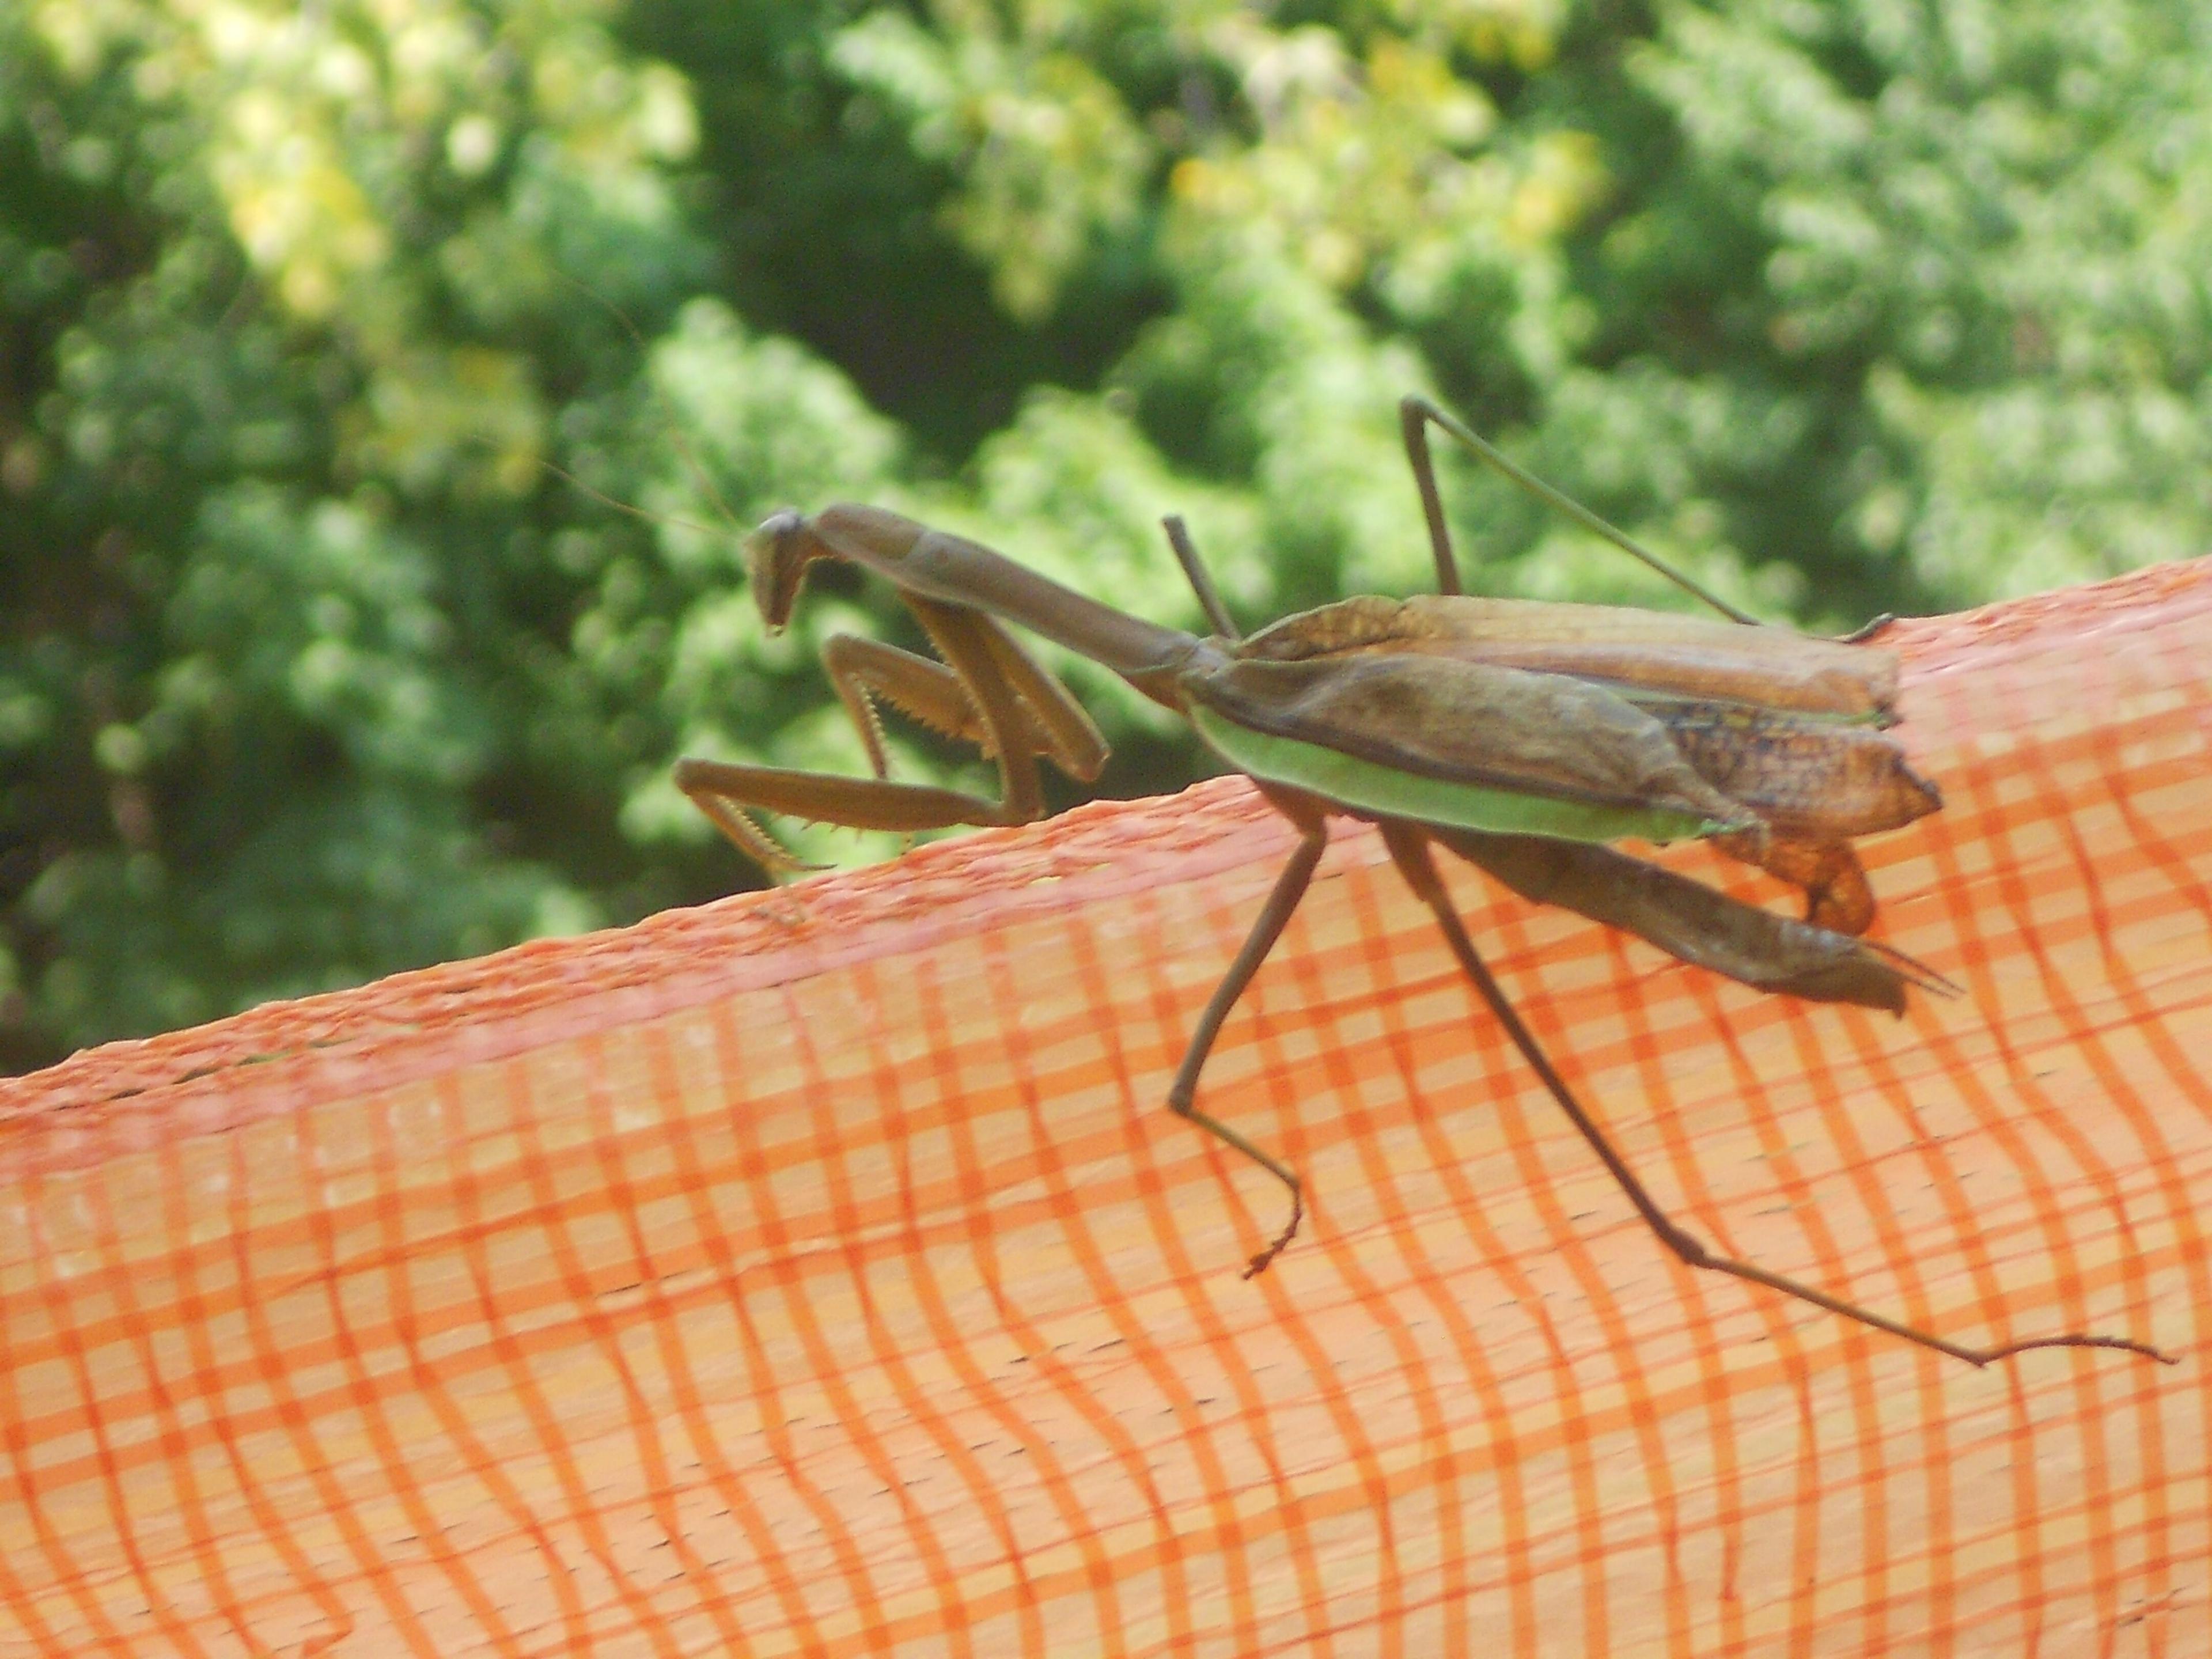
x: 1521, y: 736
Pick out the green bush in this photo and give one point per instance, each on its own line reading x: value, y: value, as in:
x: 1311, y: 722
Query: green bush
x: 334, y: 343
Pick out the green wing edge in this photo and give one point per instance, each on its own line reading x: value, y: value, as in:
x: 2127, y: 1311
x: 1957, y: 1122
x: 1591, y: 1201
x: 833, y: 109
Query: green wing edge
x: 1368, y: 787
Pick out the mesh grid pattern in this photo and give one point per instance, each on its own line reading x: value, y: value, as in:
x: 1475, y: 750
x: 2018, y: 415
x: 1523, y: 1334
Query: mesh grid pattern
x: 820, y: 1273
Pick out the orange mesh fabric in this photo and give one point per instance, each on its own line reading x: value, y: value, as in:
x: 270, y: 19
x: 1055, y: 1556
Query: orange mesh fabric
x: 819, y: 1272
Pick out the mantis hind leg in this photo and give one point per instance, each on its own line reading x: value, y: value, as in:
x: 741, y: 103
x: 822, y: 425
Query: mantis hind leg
x: 1416, y: 415
x: 1409, y: 850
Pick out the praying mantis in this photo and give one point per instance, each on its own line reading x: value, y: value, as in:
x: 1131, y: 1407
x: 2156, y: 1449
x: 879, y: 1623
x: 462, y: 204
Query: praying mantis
x: 1521, y: 736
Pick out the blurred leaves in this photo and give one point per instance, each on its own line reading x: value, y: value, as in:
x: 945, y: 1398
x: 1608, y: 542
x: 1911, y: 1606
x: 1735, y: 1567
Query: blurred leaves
x: 1045, y: 152
x: 337, y: 342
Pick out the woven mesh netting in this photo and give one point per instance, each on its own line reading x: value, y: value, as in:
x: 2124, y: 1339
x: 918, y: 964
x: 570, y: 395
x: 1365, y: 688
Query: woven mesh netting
x: 820, y: 1272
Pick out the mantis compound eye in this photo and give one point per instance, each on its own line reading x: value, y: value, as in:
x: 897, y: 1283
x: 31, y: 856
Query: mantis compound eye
x: 776, y: 558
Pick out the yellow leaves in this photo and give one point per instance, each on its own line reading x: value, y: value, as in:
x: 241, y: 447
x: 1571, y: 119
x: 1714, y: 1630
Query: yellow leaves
x: 299, y: 214
x: 311, y: 129
x: 662, y: 118
x: 1357, y: 152
x: 80, y: 32
x: 612, y: 116
x: 342, y: 70
x: 1378, y: 161
x: 469, y: 413
x: 310, y: 120
x: 472, y: 144
x: 429, y: 50
x: 1056, y: 155
x: 1563, y: 179
x: 1288, y: 75
x: 1048, y: 155
x: 1406, y: 79
x: 1522, y: 32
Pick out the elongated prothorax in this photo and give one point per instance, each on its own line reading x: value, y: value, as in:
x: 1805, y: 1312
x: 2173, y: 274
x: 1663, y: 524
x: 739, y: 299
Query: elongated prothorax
x: 953, y: 570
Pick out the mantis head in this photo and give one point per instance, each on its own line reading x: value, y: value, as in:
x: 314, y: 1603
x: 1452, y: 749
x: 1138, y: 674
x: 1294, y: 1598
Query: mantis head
x: 776, y: 558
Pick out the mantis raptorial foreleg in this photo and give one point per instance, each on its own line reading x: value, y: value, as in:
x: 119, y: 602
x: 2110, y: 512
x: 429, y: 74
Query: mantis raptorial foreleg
x: 988, y: 691
x: 864, y: 672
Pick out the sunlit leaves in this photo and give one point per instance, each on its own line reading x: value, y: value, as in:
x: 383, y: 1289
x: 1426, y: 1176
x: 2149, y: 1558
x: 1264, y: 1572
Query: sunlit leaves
x: 311, y: 669
x: 1046, y: 154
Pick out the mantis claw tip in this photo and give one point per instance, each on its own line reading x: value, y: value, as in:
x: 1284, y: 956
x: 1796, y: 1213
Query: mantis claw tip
x: 1260, y: 1262
x: 2121, y: 1344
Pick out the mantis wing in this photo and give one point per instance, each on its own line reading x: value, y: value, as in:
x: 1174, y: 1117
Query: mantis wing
x: 1438, y: 701
x: 1443, y: 740
x: 1655, y: 651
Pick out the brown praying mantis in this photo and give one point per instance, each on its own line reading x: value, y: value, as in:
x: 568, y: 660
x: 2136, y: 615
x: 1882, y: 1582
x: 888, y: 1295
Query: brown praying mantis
x: 1521, y: 736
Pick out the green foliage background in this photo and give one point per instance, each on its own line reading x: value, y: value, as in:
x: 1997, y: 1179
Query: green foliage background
x: 312, y: 668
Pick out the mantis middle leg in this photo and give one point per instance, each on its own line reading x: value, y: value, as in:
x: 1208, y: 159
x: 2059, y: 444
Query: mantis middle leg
x: 1289, y: 887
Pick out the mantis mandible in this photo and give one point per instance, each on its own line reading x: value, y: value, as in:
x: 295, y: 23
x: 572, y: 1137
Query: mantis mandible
x: 1521, y: 736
